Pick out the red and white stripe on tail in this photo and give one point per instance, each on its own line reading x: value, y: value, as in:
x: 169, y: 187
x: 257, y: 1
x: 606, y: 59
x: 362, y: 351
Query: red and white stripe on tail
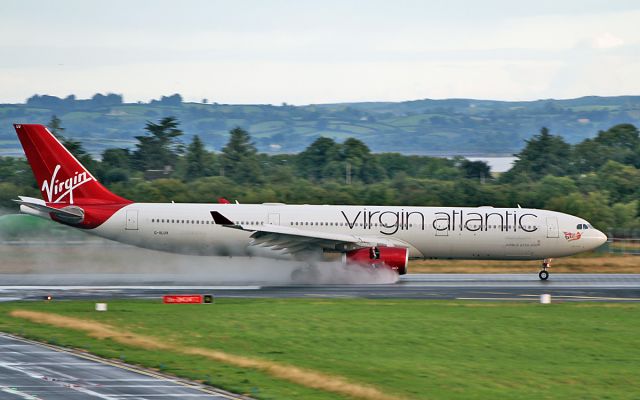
x: 60, y: 176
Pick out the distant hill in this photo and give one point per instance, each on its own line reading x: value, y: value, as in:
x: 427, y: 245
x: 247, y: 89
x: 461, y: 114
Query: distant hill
x: 433, y: 127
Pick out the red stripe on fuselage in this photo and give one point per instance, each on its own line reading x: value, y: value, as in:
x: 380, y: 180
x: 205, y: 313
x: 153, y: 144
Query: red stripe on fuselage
x: 94, y: 215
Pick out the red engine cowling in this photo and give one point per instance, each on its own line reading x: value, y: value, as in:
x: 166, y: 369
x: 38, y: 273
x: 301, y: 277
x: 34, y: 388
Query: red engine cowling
x: 395, y: 258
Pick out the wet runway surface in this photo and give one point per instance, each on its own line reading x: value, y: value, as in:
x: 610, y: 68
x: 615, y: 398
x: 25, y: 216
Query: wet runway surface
x: 33, y: 371
x: 29, y: 370
x: 497, y: 287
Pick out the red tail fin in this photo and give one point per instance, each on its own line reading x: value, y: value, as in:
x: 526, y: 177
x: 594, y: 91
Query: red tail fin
x: 60, y: 176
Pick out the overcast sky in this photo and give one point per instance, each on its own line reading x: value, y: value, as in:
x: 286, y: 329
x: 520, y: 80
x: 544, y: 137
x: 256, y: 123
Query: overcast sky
x: 303, y: 52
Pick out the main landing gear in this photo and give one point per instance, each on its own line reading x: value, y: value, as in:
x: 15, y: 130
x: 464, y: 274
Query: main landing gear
x: 544, y: 274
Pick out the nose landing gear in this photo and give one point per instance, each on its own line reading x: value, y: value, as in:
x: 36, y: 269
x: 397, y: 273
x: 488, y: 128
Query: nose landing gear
x: 544, y: 274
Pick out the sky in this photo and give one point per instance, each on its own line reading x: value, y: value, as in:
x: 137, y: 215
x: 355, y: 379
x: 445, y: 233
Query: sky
x: 310, y: 52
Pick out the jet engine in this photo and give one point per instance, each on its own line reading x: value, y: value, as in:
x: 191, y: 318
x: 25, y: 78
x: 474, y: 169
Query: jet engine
x: 394, y: 258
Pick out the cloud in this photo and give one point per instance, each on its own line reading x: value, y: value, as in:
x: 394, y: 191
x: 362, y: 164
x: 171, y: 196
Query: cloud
x: 607, y: 40
x: 498, y: 51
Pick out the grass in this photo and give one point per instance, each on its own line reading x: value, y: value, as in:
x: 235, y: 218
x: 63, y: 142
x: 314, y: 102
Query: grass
x: 409, y: 348
x: 595, y: 263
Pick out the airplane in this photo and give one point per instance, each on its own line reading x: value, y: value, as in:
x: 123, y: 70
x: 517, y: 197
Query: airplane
x: 373, y: 236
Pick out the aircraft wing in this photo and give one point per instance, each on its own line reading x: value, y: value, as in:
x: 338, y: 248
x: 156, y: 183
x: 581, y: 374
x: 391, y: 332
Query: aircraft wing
x: 295, y: 240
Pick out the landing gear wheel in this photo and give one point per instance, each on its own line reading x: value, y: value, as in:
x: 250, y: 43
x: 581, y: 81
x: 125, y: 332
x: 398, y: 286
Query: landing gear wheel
x: 544, y: 275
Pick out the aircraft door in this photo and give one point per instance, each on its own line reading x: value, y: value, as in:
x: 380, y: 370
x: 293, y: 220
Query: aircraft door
x: 274, y: 219
x: 132, y: 220
x: 552, y: 227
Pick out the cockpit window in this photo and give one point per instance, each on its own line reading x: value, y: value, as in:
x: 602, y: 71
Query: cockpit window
x: 583, y: 226
x: 579, y: 226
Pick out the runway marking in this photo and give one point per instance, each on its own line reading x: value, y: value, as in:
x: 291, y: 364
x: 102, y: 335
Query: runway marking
x: 494, y: 298
x: 25, y: 352
x: 585, y: 297
x: 125, y: 367
x: 16, y: 392
x: 169, y: 288
x: 57, y: 383
x: 74, y: 364
x: 180, y: 395
x: 54, y: 373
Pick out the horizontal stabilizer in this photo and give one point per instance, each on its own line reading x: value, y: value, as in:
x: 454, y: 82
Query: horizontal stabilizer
x: 72, y: 214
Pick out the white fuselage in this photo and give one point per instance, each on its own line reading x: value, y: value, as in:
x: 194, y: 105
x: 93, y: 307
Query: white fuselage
x: 428, y: 232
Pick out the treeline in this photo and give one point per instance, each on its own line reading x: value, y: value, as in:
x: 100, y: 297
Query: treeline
x: 71, y: 103
x: 598, y: 179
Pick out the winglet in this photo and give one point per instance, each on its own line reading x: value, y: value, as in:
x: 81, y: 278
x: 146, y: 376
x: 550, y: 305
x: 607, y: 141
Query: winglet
x: 220, y: 219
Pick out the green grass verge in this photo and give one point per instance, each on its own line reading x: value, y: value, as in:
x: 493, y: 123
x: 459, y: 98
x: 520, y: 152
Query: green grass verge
x: 410, y: 348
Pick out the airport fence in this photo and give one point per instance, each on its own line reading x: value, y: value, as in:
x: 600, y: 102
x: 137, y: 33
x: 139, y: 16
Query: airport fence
x: 622, y: 241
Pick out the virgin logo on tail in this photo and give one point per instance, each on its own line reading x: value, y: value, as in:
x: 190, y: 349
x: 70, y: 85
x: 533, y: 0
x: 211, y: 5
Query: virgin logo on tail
x: 62, y: 189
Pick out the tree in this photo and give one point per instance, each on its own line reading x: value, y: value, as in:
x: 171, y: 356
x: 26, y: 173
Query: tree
x: 619, y: 143
x: 593, y: 207
x: 161, y: 147
x: 74, y: 146
x: 625, y: 215
x: 115, y: 166
x: 55, y: 126
x: 175, y: 100
x: 116, y: 158
x: 622, y: 182
x: 313, y: 161
x: 195, y: 159
x: 362, y: 165
x: 475, y: 169
x: 545, y: 154
x: 239, y: 158
x: 111, y: 99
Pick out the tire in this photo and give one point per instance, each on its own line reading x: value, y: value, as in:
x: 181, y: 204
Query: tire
x: 543, y: 275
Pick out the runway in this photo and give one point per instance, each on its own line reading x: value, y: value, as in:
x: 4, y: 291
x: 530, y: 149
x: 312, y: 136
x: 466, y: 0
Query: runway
x: 30, y: 370
x: 492, y: 287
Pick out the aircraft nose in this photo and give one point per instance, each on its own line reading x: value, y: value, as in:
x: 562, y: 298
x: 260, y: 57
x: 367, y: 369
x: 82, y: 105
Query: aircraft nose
x: 597, y: 238
x: 601, y: 237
